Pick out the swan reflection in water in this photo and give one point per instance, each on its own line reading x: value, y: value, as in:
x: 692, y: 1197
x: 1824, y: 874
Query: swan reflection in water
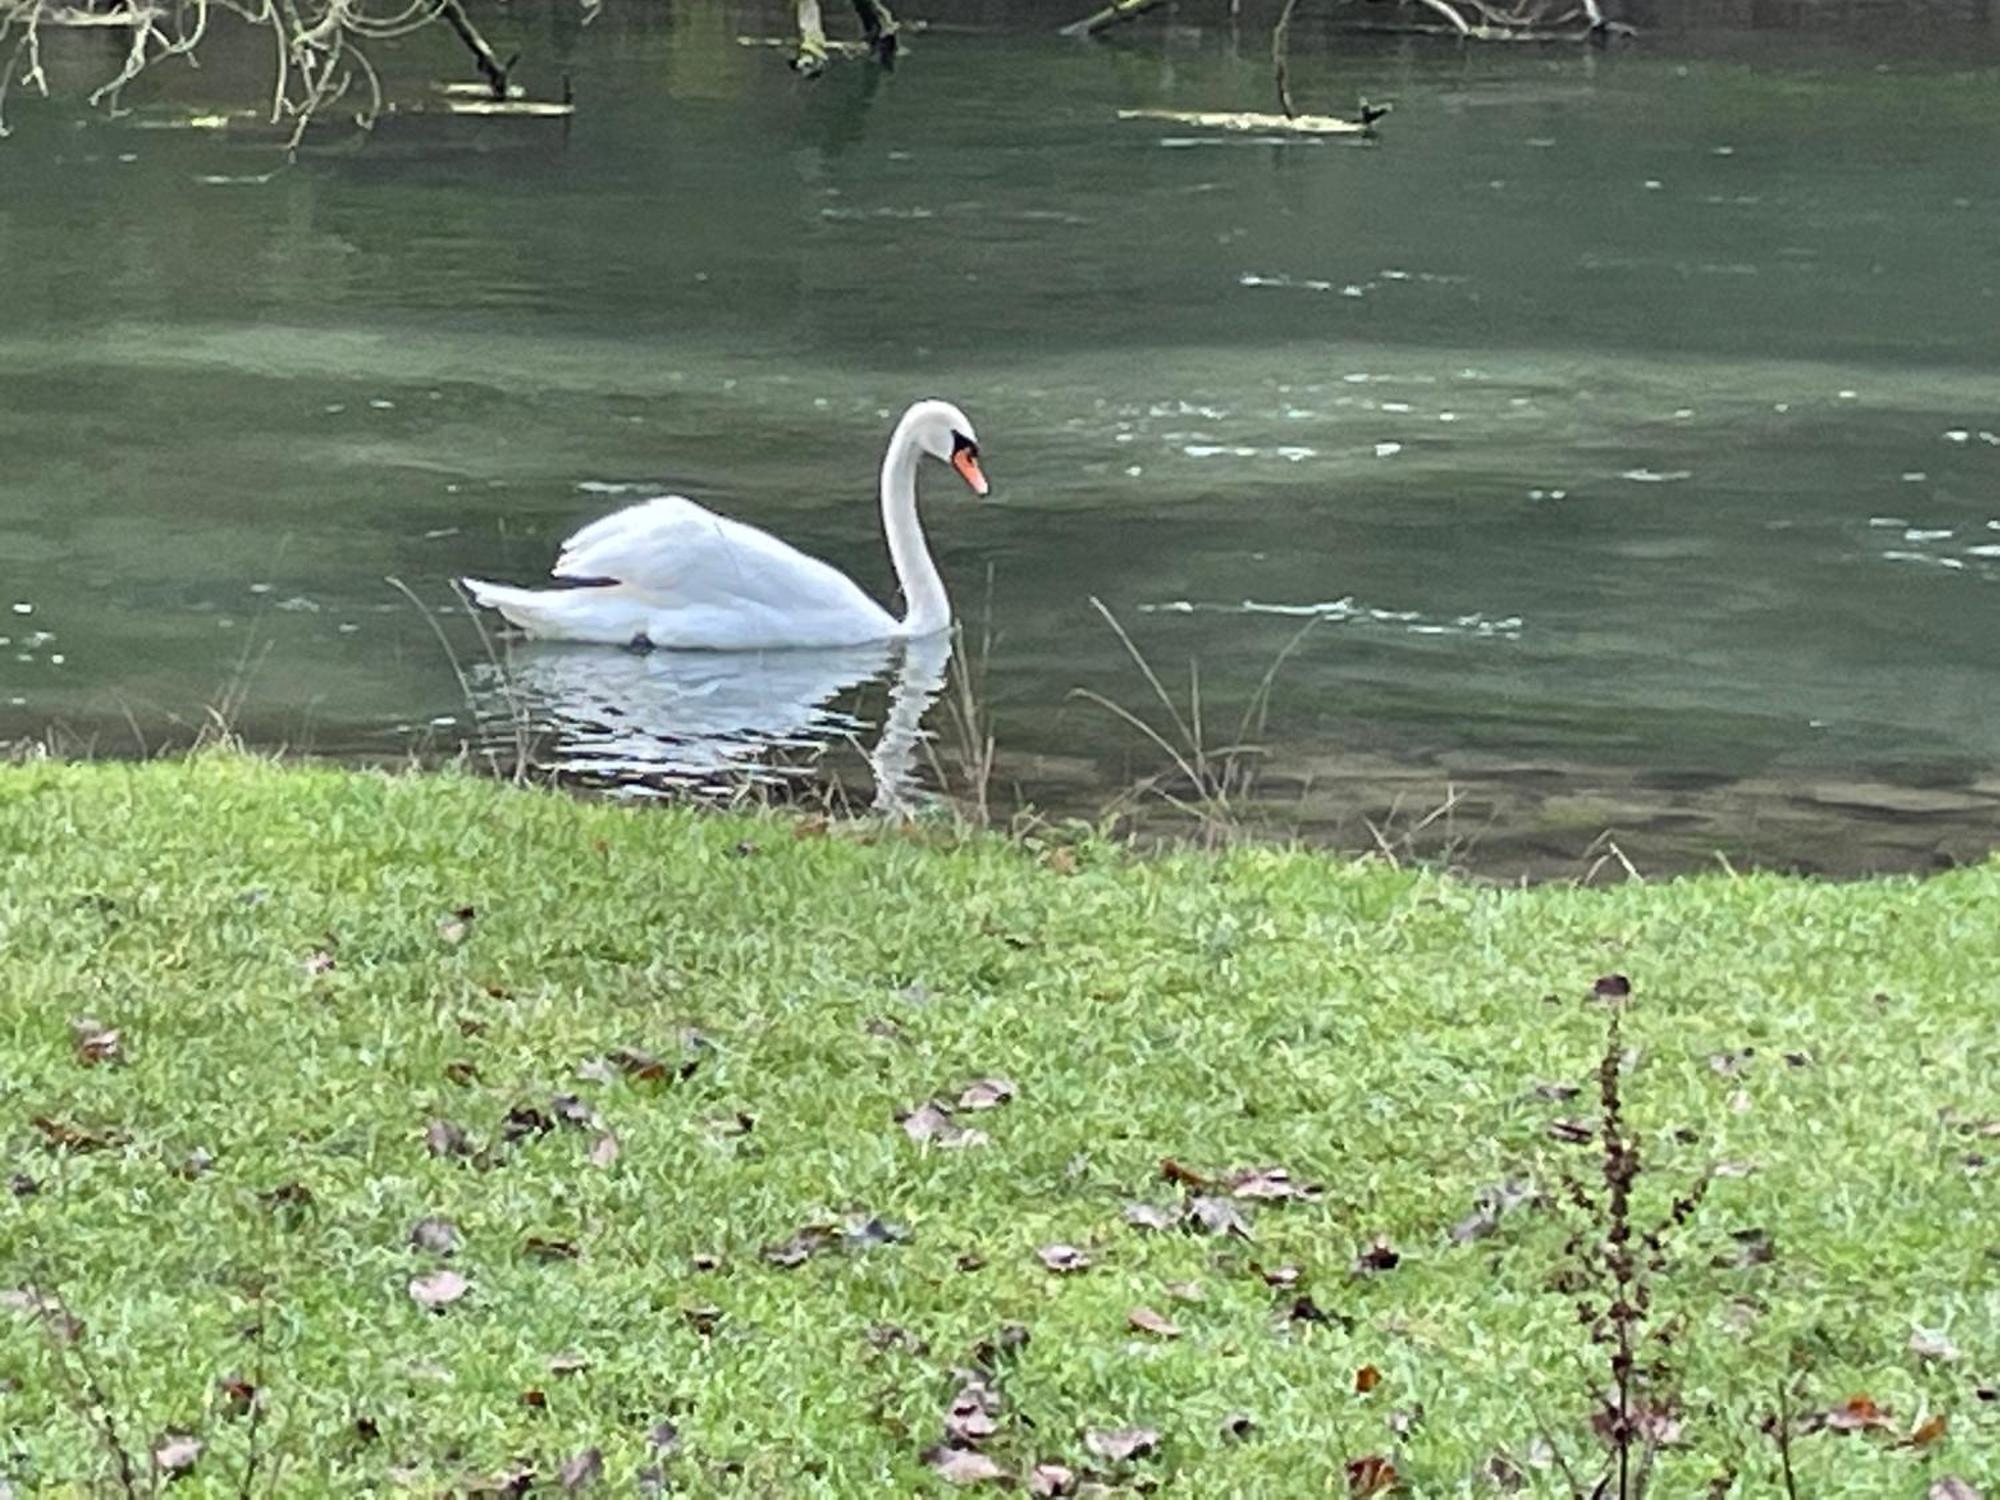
x: 716, y: 720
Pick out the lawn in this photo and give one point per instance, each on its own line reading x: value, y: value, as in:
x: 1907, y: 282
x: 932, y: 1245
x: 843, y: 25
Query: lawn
x: 660, y: 1074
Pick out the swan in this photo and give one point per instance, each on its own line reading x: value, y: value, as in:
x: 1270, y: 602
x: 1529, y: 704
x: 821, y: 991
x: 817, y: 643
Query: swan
x: 673, y: 574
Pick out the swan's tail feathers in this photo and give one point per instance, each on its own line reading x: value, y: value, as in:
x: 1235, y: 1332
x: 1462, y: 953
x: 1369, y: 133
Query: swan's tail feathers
x: 537, y: 611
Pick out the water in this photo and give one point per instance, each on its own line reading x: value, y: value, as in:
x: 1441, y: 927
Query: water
x: 1629, y: 422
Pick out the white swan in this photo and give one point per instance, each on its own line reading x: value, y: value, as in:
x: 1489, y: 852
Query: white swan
x: 672, y: 574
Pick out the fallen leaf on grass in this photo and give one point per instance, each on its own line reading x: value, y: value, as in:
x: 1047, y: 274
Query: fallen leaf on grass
x: 704, y: 1319
x: 971, y: 1417
x: 1951, y: 1487
x: 1238, y: 1426
x: 1933, y: 1346
x: 963, y: 1466
x: 1122, y: 1444
x: 437, y: 1290
x: 1379, y: 1256
x: 457, y: 927
x: 1504, y: 1474
x: 581, y: 1470
x: 1150, y: 1216
x: 932, y: 1121
x: 1270, y: 1182
x: 62, y: 1135
x: 1186, y: 1176
x: 1371, y: 1474
x: 1278, y: 1276
x: 1185, y: 1291
x: 95, y: 1042
x: 800, y: 1248
x: 1612, y: 987
x: 524, y: 1120
x: 1572, y: 1132
x: 1928, y: 1431
x: 318, y: 962
x: 1046, y: 1480
x: 1555, y: 1093
x: 462, y: 1072
x: 175, y: 1453
x: 663, y: 1437
x: 434, y: 1235
x: 986, y: 1093
x: 1366, y: 1379
x: 236, y: 1395
x: 604, y: 1150
x: 1063, y: 1259
x: 1216, y: 1216
x: 1754, y: 1247
x: 1305, y: 1310
x: 1145, y: 1320
x: 444, y: 1139
x: 1403, y: 1421
x: 1858, y: 1413
x: 1729, y: 1064
x: 567, y: 1364
x: 538, y: 1248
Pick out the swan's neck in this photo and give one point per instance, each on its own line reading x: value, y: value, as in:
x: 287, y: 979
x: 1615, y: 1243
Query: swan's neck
x: 928, y: 610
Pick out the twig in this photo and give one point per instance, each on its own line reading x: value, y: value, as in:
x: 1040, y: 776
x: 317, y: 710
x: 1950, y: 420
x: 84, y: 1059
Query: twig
x: 1281, y: 44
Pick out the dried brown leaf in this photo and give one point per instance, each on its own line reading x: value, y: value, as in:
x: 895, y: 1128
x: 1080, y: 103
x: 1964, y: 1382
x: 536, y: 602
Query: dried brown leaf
x: 931, y: 1121
x: 581, y: 1470
x: 1572, y: 1132
x: 1371, y: 1474
x: 95, y: 1042
x: 444, y: 1139
x: 972, y: 1416
x: 64, y: 1135
x: 1048, y: 1480
x: 963, y: 1466
x: 1927, y: 1345
x: 175, y: 1453
x: 437, y: 1290
x: 604, y: 1150
x: 1951, y: 1487
x: 1121, y: 1444
x: 435, y: 1236
x: 1064, y: 1260
x: 1378, y: 1256
x: 1146, y: 1320
x: 1366, y: 1379
x: 1270, y: 1182
x: 1150, y: 1216
x: 1928, y: 1431
x: 986, y: 1093
x: 1213, y: 1215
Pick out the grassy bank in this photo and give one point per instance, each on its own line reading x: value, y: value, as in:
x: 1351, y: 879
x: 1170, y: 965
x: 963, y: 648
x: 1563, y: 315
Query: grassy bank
x: 316, y: 1048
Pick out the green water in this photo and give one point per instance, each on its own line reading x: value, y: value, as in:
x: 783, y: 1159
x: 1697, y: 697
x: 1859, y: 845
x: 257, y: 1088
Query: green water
x: 1631, y: 420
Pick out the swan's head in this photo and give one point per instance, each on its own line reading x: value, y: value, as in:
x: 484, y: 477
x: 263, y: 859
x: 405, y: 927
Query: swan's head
x: 945, y: 433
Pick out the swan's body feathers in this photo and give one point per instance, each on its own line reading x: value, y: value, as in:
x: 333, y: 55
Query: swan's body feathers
x: 670, y: 573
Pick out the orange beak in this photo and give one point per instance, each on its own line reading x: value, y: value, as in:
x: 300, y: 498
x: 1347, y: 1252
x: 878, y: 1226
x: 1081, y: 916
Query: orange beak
x: 968, y: 469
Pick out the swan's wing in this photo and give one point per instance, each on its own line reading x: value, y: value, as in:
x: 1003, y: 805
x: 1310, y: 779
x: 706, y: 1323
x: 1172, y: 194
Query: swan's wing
x: 678, y: 550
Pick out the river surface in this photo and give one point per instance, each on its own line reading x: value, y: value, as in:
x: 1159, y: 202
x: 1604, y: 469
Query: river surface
x: 1624, y: 424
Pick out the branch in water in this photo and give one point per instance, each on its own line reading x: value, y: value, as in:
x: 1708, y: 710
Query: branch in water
x: 1110, y: 15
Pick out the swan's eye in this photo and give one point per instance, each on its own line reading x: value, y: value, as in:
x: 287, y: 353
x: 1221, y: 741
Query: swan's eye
x: 960, y: 443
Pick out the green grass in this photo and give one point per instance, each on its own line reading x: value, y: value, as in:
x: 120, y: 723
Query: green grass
x: 1378, y: 1032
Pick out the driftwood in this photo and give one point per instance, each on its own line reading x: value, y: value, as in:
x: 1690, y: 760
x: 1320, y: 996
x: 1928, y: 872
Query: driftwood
x: 1111, y: 15
x: 1245, y: 121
